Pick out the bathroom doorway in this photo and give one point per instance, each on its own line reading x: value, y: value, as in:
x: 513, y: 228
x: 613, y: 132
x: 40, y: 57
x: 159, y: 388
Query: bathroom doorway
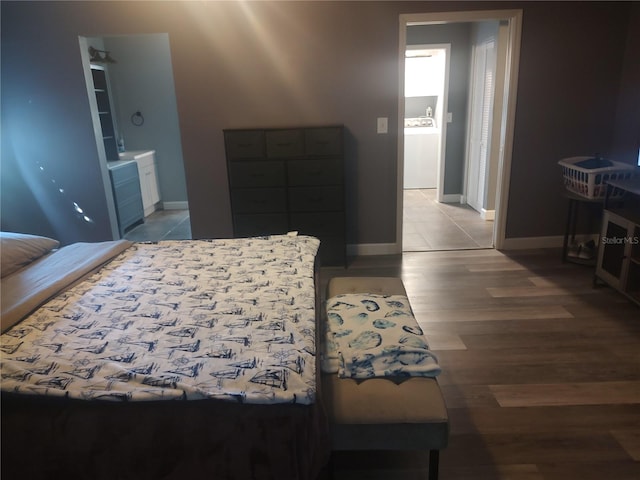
x: 145, y: 119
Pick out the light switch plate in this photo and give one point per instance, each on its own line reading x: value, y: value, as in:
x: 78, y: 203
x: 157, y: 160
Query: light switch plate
x: 449, y: 117
x: 383, y: 125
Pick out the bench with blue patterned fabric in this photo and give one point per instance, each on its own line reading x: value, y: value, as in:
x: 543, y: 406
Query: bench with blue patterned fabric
x: 367, y: 409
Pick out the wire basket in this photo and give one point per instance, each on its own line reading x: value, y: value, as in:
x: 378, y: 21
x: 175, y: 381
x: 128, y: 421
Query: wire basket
x: 591, y: 183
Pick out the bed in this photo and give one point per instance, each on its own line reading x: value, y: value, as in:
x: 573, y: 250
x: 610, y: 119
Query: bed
x: 161, y: 360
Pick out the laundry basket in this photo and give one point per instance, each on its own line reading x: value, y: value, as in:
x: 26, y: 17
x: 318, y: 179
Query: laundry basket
x: 587, y: 176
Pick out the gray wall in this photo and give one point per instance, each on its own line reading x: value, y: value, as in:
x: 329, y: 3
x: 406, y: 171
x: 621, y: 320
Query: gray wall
x: 297, y: 63
x: 142, y: 80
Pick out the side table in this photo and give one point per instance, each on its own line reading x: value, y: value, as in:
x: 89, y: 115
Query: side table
x: 575, y: 203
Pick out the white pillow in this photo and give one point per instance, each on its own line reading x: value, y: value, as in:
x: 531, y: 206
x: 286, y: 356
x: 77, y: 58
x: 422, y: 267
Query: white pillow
x: 18, y: 250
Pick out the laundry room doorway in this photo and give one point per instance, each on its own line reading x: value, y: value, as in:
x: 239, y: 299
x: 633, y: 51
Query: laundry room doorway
x: 449, y: 196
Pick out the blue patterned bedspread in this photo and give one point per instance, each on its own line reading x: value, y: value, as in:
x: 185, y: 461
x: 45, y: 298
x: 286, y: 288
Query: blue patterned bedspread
x: 226, y: 319
x: 369, y: 335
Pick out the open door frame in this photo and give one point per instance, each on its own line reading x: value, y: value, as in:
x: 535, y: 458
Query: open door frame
x: 504, y: 122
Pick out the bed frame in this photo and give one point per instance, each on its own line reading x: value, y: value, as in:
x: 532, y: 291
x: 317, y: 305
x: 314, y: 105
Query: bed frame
x: 46, y: 437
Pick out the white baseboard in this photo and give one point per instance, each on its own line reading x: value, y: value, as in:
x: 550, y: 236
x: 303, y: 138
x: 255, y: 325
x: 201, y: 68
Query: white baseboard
x: 175, y: 205
x: 488, y: 214
x: 452, y: 198
x: 524, y: 243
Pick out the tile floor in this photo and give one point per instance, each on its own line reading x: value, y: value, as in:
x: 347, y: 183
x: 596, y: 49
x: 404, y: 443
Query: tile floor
x: 429, y: 225
x: 162, y: 225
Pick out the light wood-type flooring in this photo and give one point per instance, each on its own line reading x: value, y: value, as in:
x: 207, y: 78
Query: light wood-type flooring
x: 541, y: 371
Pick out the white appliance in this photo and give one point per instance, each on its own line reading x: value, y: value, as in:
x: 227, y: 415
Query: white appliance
x: 421, y: 157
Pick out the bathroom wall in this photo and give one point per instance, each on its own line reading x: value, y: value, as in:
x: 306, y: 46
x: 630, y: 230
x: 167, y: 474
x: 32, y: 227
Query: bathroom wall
x: 142, y: 81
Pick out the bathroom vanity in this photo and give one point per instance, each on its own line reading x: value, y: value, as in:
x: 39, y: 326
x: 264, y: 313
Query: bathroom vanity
x: 125, y: 184
x: 135, y: 187
x: 146, y: 161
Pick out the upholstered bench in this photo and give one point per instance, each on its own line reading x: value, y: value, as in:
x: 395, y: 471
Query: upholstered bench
x: 380, y: 413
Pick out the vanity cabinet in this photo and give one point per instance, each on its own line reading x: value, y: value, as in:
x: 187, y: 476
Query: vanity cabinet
x: 289, y: 179
x: 148, y: 182
x: 149, y: 189
x: 619, y: 252
x: 125, y: 183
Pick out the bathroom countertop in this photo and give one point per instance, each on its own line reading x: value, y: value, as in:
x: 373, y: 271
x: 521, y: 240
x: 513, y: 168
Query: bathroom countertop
x: 135, y: 154
x: 118, y: 163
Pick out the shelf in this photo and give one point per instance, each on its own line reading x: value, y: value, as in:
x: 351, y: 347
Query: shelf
x: 105, y: 114
x: 619, y: 252
x: 630, y: 214
x: 631, y: 185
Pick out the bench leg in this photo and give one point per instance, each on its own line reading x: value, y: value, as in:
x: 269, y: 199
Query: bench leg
x: 434, y: 457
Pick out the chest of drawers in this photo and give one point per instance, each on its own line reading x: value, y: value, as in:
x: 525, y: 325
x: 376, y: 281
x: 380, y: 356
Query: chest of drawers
x: 289, y: 179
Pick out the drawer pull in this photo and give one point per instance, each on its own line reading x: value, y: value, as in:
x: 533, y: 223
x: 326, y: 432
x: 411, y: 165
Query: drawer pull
x: 284, y: 144
x: 256, y: 175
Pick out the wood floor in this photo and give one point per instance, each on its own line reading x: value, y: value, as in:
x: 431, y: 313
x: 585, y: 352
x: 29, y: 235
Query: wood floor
x: 541, y: 371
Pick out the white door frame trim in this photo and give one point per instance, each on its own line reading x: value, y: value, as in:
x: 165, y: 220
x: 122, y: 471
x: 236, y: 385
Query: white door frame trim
x: 514, y: 18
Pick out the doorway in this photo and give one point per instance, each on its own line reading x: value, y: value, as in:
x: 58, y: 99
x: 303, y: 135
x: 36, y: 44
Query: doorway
x: 145, y: 124
x: 454, y: 187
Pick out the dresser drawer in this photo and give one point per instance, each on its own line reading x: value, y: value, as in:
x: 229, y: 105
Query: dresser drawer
x: 248, y: 225
x: 319, y: 224
x: 286, y: 179
x: 260, y: 173
x: 323, y: 141
x: 314, y: 172
x: 310, y: 199
x: 244, y: 144
x: 259, y: 200
x: 124, y: 172
x: 129, y: 212
x: 284, y: 143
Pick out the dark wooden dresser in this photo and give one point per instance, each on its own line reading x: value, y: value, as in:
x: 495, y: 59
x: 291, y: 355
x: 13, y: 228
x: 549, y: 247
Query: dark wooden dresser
x: 289, y: 179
